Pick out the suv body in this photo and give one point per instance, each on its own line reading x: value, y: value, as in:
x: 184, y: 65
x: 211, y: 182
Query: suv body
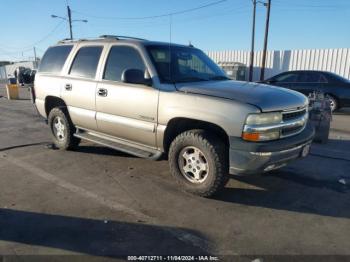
x: 149, y: 98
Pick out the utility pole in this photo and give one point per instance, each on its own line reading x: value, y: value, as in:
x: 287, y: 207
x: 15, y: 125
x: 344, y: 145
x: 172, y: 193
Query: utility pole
x: 251, y: 66
x: 35, y: 61
x: 70, y: 22
x: 262, y: 74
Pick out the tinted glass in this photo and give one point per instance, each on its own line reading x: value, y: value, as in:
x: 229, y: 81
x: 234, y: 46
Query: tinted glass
x: 86, y: 61
x: 286, y: 78
x: 121, y: 58
x: 310, y: 77
x: 323, y: 79
x: 54, y: 59
x: 336, y: 78
x: 184, y: 64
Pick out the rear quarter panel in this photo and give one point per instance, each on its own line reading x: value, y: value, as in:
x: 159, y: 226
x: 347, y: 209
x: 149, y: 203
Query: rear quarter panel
x: 46, y: 85
x: 340, y: 91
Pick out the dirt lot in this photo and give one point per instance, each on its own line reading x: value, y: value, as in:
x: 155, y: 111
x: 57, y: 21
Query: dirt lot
x: 99, y: 202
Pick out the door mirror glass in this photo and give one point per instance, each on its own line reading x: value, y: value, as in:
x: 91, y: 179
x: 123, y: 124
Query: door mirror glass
x: 136, y: 76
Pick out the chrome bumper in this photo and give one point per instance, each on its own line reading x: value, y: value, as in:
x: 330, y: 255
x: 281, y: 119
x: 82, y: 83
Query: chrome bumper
x: 258, y: 162
x: 248, y: 158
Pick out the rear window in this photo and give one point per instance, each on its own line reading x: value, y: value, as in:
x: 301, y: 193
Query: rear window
x: 86, y: 61
x: 54, y: 59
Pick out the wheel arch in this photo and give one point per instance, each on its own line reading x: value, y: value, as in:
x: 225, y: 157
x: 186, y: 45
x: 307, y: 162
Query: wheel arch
x: 179, y: 125
x: 52, y: 102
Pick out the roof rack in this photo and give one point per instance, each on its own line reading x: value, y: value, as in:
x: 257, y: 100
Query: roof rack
x: 117, y: 37
x: 68, y: 40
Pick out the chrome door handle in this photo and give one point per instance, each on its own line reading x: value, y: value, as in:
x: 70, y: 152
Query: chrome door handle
x: 102, y: 92
x: 68, y: 87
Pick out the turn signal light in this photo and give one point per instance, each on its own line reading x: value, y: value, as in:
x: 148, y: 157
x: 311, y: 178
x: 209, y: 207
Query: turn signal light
x: 251, y: 136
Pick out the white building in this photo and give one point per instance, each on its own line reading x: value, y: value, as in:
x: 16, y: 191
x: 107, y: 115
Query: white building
x: 332, y: 60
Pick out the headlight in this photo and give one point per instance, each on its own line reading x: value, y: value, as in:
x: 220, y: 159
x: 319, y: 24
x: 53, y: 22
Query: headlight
x: 259, y: 127
x: 264, y: 119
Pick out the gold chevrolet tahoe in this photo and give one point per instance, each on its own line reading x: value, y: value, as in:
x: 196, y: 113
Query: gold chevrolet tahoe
x: 151, y: 99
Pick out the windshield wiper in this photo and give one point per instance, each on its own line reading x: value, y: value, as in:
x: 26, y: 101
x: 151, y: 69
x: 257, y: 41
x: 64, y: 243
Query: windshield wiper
x: 219, y: 78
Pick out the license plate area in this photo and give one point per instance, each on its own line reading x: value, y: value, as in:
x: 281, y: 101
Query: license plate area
x: 305, y: 151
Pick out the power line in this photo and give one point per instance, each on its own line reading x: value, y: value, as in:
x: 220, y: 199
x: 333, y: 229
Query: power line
x: 48, y: 35
x: 155, y: 16
x: 310, y: 5
x: 69, y: 20
x: 146, y: 24
x: 19, y: 54
x: 30, y: 47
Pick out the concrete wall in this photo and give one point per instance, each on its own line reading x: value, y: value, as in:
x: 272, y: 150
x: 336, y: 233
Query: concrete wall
x: 333, y: 60
x: 2, y: 73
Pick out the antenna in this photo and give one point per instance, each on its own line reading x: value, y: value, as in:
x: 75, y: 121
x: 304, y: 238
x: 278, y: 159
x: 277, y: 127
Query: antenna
x: 170, y: 27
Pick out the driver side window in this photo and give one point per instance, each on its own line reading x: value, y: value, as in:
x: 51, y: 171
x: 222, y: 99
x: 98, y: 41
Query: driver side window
x: 121, y: 58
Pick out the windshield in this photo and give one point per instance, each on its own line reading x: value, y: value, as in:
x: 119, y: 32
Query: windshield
x: 184, y: 64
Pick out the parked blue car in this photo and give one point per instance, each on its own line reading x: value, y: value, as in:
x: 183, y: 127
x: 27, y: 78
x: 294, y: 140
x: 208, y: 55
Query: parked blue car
x: 334, y: 86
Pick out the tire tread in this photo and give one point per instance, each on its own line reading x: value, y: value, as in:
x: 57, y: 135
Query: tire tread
x: 71, y: 141
x: 216, y: 148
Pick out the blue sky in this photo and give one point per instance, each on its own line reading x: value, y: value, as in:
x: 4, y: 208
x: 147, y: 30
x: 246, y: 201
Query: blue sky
x: 295, y: 24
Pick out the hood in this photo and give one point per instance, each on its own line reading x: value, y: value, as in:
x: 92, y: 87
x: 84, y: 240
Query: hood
x: 267, y: 98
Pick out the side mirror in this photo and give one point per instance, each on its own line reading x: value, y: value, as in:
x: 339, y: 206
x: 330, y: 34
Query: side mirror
x: 136, y: 76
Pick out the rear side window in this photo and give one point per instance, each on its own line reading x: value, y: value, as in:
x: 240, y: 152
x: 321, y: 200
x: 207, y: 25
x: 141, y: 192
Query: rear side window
x: 54, y: 59
x: 286, y: 78
x: 86, y: 61
x: 311, y: 77
x: 121, y: 58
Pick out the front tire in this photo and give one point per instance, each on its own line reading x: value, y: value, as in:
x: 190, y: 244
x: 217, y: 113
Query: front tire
x: 62, y: 129
x: 199, y: 163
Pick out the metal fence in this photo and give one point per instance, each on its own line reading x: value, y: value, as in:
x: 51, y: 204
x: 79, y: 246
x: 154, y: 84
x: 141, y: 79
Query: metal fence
x: 333, y: 60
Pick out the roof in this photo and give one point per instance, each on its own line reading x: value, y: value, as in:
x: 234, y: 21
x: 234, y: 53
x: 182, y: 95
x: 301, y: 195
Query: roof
x: 306, y: 71
x: 112, y: 38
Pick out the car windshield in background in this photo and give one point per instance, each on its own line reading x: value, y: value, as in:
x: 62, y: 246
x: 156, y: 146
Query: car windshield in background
x: 184, y: 64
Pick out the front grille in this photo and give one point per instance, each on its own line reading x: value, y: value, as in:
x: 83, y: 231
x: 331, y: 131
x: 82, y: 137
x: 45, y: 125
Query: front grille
x: 287, y: 131
x: 290, y: 116
x: 293, y: 115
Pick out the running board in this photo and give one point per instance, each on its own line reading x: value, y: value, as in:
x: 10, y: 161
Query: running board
x: 120, y: 145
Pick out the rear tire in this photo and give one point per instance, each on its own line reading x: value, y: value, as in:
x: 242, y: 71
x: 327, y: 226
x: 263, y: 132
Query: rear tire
x: 199, y: 163
x: 62, y: 129
x: 333, y: 103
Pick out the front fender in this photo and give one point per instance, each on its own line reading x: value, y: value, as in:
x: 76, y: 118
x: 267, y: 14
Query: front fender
x: 228, y: 114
